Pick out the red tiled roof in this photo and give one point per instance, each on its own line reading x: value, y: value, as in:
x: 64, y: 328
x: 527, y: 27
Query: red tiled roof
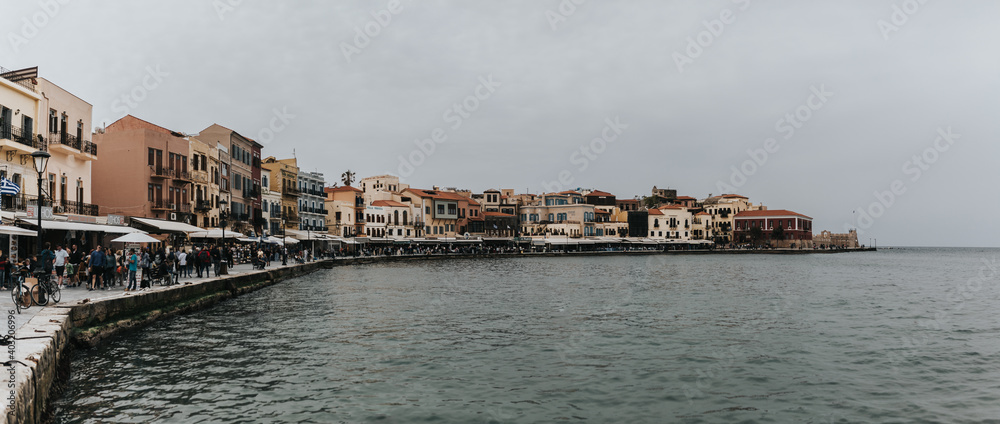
x: 655, y: 212
x: 505, y: 215
x: 685, y: 198
x: 600, y: 193
x: 435, y: 194
x: 672, y: 207
x: 769, y: 213
x: 702, y: 213
x: 339, y: 189
x: 602, y: 211
x: 389, y: 203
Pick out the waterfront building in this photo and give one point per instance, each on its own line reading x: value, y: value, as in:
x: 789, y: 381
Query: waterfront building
x: 347, y: 205
x: 243, y: 197
x: 499, y: 224
x: 671, y: 222
x: 205, y: 179
x: 21, y: 110
x: 312, y: 209
x: 443, y: 213
x: 68, y: 179
x: 270, y: 201
x: 627, y: 204
x: 794, y: 230
x: 826, y: 239
x: 381, y: 187
x: 701, y: 228
x: 723, y: 210
x: 563, y: 213
x: 142, y: 171
x: 284, y: 180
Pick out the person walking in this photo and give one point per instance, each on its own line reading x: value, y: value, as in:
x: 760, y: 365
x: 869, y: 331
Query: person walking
x: 133, y: 267
x: 110, y: 263
x: 73, y: 267
x: 96, y: 264
x: 48, y: 258
x: 62, y: 258
x: 216, y: 259
x: 145, y: 263
x: 182, y: 264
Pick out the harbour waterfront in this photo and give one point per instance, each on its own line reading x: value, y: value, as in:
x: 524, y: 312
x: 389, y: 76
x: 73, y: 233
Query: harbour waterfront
x: 897, y: 335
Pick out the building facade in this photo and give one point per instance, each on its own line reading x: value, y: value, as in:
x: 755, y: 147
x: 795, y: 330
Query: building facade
x: 142, y: 171
x: 778, y: 228
x: 312, y: 210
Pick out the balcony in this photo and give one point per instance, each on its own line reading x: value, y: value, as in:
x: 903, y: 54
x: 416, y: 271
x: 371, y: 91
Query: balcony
x: 19, y: 77
x: 183, y: 177
x: 72, y: 145
x: 202, y: 206
x: 160, y: 205
x: 290, y: 191
x: 160, y: 172
x: 74, y: 207
x: 200, y: 177
x: 16, y: 138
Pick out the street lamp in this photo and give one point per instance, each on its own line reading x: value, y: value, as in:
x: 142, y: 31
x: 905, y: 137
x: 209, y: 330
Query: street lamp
x: 41, y: 160
x: 222, y: 224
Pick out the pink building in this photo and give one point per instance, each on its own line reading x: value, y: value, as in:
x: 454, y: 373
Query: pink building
x: 142, y: 171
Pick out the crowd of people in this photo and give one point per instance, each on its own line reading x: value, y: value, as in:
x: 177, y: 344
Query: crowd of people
x: 103, y: 268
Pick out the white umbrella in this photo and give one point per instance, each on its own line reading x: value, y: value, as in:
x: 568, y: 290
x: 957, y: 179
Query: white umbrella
x: 135, y: 238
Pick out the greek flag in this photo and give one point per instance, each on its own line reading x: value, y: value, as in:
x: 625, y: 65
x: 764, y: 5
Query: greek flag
x: 8, y: 187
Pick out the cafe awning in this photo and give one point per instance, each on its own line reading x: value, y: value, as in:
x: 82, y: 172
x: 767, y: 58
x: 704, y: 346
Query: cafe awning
x: 164, y: 226
x: 82, y: 226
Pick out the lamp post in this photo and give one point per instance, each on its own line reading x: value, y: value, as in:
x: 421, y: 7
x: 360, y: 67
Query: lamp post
x: 223, y: 215
x: 41, y: 160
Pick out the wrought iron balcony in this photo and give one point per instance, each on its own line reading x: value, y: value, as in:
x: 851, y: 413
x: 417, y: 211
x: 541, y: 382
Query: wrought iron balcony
x: 17, y: 134
x: 202, y: 206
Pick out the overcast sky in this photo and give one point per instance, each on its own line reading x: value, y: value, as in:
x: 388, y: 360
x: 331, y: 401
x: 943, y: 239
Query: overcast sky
x: 688, y: 87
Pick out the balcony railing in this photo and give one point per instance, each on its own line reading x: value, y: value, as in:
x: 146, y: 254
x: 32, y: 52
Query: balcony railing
x: 160, y: 172
x: 66, y: 139
x: 159, y: 204
x: 79, y: 208
x: 181, y: 176
x: 202, y: 206
x: 17, y: 134
x: 8, y: 75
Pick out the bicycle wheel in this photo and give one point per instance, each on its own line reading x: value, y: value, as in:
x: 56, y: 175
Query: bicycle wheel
x: 55, y: 293
x: 39, y: 295
x: 21, y: 297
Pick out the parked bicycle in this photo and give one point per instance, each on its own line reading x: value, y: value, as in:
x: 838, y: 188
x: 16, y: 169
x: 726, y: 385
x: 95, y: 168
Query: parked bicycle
x: 46, y: 290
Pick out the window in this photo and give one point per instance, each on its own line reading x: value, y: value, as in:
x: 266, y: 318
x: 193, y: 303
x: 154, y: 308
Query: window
x: 53, y: 121
x: 152, y: 157
x: 149, y: 193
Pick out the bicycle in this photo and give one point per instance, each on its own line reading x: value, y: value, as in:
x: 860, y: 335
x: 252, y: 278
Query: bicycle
x: 20, y: 293
x: 45, y: 290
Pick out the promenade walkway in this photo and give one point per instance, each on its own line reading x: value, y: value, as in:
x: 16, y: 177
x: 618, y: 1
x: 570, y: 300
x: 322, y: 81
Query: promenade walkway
x: 73, y: 295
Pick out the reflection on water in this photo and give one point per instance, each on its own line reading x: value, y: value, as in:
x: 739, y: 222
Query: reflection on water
x: 819, y: 338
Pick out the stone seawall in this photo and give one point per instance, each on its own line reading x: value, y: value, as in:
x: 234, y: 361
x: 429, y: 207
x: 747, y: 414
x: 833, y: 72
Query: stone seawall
x: 40, y: 354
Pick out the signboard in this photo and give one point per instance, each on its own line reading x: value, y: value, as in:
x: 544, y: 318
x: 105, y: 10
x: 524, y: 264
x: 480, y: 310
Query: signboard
x: 82, y: 218
x: 31, y: 210
x: 116, y: 220
x: 13, y: 248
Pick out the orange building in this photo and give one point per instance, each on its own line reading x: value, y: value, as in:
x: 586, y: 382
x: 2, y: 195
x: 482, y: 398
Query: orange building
x: 142, y: 171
